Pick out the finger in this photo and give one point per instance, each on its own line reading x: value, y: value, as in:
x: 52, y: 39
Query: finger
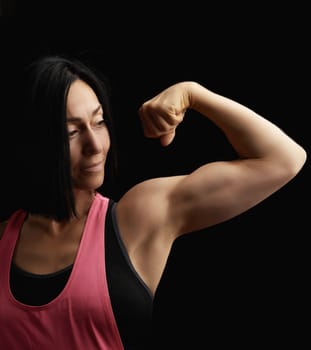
x: 154, y: 125
x: 148, y: 128
x: 167, y: 138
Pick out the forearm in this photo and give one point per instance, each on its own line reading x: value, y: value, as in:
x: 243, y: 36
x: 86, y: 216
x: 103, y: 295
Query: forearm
x: 251, y: 135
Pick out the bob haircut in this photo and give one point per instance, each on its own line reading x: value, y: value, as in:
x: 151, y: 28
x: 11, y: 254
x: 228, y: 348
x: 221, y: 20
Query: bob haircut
x: 46, y: 186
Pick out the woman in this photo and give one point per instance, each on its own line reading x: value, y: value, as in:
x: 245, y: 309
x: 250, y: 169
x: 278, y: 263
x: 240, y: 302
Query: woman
x: 80, y: 270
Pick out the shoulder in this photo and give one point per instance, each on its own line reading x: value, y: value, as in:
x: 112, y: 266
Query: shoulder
x: 149, y: 193
x: 148, y: 205
x: 2, y: 227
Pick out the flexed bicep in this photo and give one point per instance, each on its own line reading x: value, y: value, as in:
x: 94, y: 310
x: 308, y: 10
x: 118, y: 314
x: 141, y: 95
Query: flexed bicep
x: 219, y: 191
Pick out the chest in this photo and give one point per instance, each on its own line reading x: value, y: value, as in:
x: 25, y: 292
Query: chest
x: 40, y: 252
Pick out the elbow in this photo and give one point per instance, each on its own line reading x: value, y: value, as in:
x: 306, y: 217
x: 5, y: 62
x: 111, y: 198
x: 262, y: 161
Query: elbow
x: 296, y: 162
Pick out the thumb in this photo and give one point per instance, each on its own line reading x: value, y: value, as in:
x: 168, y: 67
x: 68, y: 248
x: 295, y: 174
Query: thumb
x: 167, y: 138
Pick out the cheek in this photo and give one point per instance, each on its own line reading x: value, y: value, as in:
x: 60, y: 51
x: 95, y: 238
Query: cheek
x: 74, y: 157
x: 106, y: 142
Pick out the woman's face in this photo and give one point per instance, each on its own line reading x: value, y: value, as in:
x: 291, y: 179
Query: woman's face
x: 88, y: 137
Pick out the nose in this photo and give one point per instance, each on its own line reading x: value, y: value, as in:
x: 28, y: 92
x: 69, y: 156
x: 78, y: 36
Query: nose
x: 93, y: 143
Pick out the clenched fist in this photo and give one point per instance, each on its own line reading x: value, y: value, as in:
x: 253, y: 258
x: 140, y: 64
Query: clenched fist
x: 161, y: 115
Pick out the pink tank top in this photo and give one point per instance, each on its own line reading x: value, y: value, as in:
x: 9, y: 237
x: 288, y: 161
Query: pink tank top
x: 81, y: 316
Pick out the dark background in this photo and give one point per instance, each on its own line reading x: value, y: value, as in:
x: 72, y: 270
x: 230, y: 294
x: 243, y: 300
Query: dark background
x: 243, y: 282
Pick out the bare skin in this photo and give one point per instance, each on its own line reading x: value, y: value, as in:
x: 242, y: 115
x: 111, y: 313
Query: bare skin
x: 209, y: 195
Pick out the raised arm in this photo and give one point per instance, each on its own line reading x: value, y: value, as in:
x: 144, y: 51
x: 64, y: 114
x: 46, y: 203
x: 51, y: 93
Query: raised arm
x: 218, y: 191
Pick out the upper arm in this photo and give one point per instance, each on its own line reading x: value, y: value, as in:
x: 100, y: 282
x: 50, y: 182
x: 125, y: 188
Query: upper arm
x: 219, y: 191
x: 213, y: 193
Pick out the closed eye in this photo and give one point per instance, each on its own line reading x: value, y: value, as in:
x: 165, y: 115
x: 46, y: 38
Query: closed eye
x: 101, y: 122
x: 72, y: 133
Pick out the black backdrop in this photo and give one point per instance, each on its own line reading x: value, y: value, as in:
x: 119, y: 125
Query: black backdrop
x: 242, y: 282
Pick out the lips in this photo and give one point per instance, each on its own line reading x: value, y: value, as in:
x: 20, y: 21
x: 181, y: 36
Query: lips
x: 94, y: 167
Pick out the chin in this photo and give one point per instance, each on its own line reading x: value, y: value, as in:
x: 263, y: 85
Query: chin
x: 90, y: 183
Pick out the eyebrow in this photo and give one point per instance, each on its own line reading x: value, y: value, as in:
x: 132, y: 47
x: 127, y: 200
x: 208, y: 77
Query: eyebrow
x: 76, y: 119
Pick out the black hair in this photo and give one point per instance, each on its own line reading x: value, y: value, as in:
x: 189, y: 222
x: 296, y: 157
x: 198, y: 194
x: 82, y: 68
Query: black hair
x: 46, y: 184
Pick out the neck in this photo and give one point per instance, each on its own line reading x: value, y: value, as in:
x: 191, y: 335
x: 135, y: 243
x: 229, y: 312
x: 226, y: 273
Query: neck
x: 83, y: 202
